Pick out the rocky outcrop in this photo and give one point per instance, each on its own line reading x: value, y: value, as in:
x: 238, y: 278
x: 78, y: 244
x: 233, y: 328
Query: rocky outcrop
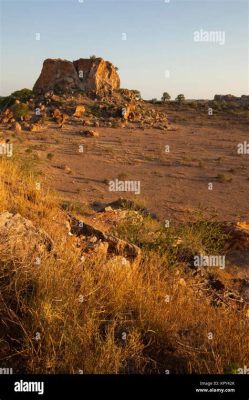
x: 20, y: 240
x: 113, y: 245
x: 89, y: 75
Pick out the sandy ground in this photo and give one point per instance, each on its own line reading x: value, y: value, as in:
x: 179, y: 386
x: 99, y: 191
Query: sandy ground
x: 174, y: 184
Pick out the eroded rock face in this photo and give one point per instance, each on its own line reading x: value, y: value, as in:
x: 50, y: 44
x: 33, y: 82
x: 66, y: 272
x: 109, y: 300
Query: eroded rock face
x: 89, y: 75
x: 56, y: 74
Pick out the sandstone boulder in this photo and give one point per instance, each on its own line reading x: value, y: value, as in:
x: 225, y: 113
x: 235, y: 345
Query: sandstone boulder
x: 59, y: 117
x: 56, y: 113
x: 79, y: 111
x: 35, y: 127
x: 89, y: 75
x: 17, y: 127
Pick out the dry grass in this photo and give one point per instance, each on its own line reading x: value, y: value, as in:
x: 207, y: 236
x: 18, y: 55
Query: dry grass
x: 69, y: 316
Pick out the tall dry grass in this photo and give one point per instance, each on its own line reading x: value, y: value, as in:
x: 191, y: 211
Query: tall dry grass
x: 69, y: 316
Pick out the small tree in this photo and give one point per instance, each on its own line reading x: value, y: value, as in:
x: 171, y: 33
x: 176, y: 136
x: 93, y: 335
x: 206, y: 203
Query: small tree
x: 154, y: 100
x: 165, y: 97
x: 93, y: 57
x: 180, y: 98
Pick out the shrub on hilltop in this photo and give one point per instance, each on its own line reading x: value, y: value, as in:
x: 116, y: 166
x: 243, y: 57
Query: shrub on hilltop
x: 22, y: 95
x: 20, y: 111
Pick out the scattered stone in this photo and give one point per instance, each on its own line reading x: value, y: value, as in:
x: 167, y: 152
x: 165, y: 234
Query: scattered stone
x: 98, y: 247
x: 118, y: 263
x: 109, y: 208
x: 59, y: 117
x: 26, y: 126
x: 67, y: 169
x: 17, y: 127
x: 56, y: 113
x: 7, y: 115
x: 35, y: 127
x: 55, y: 98
x: 86, y: 123
x: 89, y: 133
x: 182, y: 282
x: 126, y: 204
x: 79, y: 111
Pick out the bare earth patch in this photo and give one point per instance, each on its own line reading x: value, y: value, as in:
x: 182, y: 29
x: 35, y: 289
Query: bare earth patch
x: 174, y: 184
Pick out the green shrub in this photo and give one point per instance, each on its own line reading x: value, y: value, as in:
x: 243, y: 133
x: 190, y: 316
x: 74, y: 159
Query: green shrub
x: 20, y: 110
x: 50, y: 156
x: 23, y: 95
x: 224, y: 178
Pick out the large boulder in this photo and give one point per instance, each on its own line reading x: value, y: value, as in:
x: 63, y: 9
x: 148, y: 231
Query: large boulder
x: 93, y: 75
x: 20, y: 240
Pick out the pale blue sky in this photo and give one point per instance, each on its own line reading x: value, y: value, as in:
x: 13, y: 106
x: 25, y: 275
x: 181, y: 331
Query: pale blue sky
x: 159, y: 38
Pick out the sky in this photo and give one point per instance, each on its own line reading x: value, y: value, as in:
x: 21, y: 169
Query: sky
x: 158, y: 55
